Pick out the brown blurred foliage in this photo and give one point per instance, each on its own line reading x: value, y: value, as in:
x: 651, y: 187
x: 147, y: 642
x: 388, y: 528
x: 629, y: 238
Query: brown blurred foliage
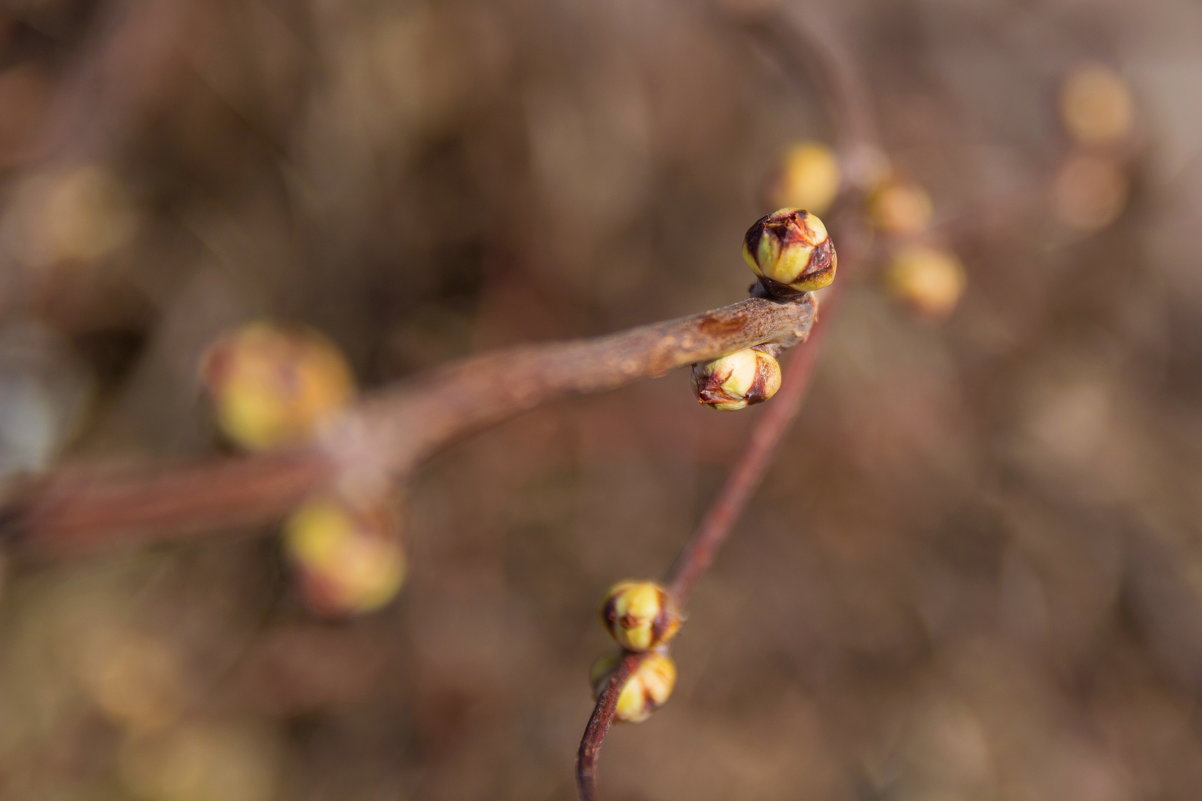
x: 976, y: 570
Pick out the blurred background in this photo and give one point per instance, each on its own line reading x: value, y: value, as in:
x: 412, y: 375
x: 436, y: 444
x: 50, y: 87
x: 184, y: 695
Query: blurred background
x: 974, y: 571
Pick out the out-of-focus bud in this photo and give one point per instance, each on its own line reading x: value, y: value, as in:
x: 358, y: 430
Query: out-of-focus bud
x: 78, y: 214
x: 348, y: 553
x: 272, y: 386
x: 647, y: 689
x: 639, y: 615
x: 1089, y: 191
x: 809, y: 178
x: 737, y: 380
x: 899, y: 206
x: 1095, y: 106
x: 790, y: 251
x: 928, y: 279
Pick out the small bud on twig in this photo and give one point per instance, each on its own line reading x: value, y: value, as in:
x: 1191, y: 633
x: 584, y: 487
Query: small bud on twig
x: 348, y: 553
x: 737, y: 380
x: 639, y: 615
x: 645, y: 691
x: 790, y: 251
x: 272, y: 386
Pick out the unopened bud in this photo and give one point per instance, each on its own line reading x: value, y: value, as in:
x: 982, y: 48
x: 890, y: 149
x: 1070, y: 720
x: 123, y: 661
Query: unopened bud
x: 790, y: 251
x: 647, y: 689
x: 737, y: 380
x: 927, y: 279
x: 639, y: 615
x: 808, y: 178
x: 348, y: 553
x: 272, y: 386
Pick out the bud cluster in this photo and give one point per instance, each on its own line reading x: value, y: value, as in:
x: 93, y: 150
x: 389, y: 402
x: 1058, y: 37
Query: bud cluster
x: 642, y: 617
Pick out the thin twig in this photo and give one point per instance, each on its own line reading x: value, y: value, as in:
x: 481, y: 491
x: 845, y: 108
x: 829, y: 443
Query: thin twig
x: 384, y: 438
x: 714, y: 529
x: 598, y: 726
x: 802, y: 49
x: 745, y: 476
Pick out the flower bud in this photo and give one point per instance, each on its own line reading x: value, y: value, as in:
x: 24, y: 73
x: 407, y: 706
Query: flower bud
x: 790, y: 251
x: 348, y: 553
x: 737, y: 380
x: 899, y: 206
x: 928, y: 279
x: 808, y: 178
x: 639, y: 615
x: 272, y: 386
x: 647, y: 689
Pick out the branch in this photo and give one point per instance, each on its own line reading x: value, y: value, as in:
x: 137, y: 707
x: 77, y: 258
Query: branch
x: 384, y: 438
x: 714, y: 529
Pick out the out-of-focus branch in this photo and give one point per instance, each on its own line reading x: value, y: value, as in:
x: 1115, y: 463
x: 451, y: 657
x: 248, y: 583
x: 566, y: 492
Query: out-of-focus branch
x: 803, y: 46
x: 384, y: 438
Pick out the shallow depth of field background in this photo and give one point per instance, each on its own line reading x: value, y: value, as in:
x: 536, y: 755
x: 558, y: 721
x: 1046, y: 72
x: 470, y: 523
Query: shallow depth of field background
x: 975, y: 571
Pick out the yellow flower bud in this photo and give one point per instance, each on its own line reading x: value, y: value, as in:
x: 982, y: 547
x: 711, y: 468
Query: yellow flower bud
x: 639, y: 615
x: 1095, y: 106
x: 737, y: 380
x: 647, y: 689
x: 928, y: 279
x: 348, y: 554
x: 809, y: 178
x: 790, y: 251
x: 899, y: 206
x: 272, y: 386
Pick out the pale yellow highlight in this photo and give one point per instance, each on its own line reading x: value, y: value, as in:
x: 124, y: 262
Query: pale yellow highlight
x: 899, y: 206
x: 927, y: 279
x: 809, y: 178
x: 1096, y: 106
